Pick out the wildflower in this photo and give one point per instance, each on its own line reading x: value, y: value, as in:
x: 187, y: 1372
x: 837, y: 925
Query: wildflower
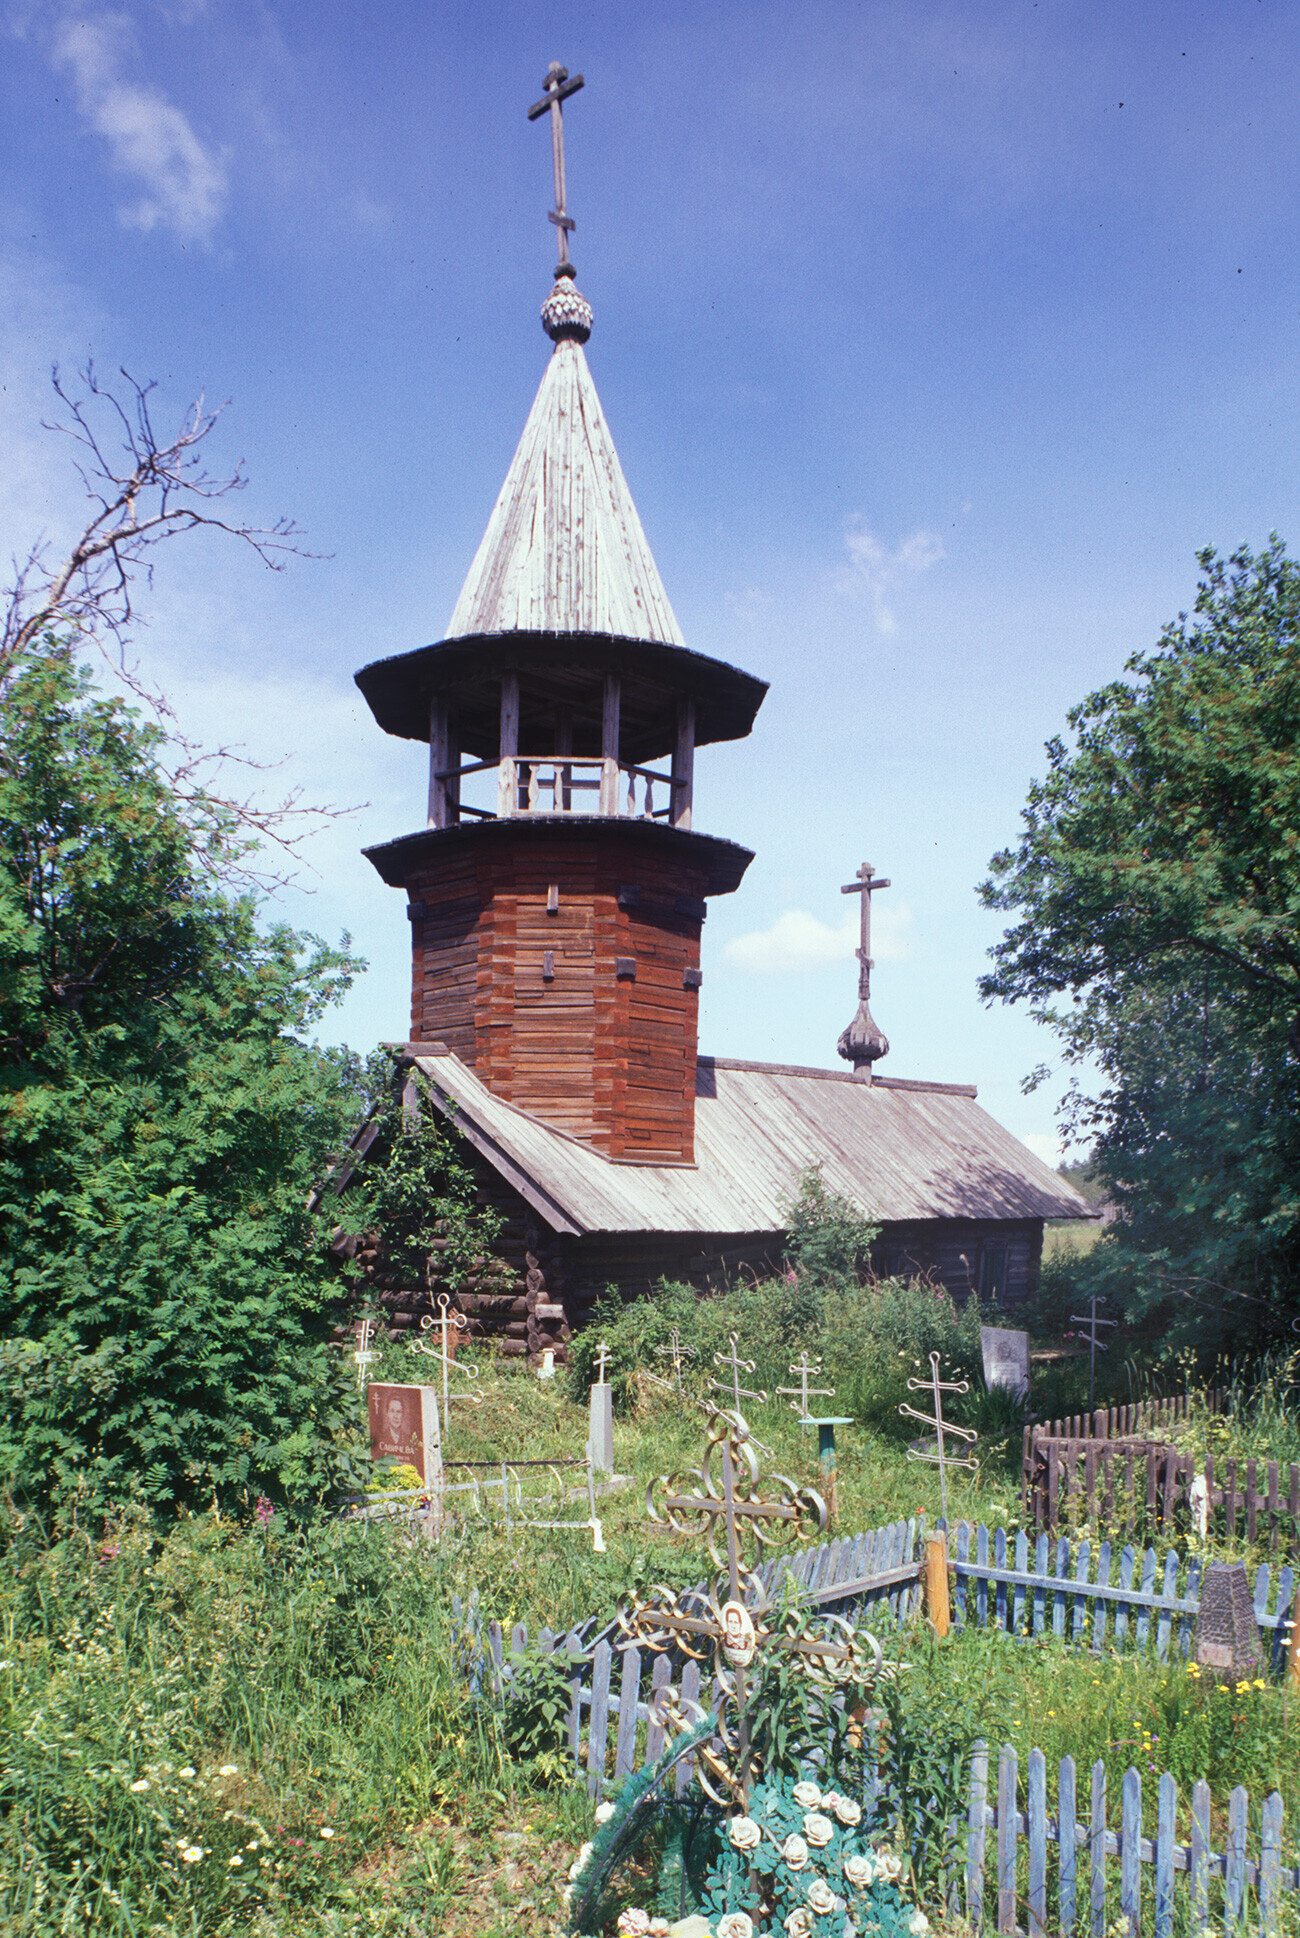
x: 821, y: 1898
x: 736, y: 1924
x: 191, y: 1853
x: 235, y: 1861
x: 252, y: 1846
x: 228, y: 1769
x: 326, y: 1832
x: 795, y: 1851
x: 141, y: 1783
x: 818, y: 1829
x: 744, y: 1833
x: 807, y: 1796
x: 188, y: 1771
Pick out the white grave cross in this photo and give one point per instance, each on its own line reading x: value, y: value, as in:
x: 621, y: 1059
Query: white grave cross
x: 451, y: 1322
x: 806, y: 1369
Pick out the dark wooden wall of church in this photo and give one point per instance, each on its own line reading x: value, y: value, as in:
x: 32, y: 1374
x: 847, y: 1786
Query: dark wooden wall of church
x: 566, y: 974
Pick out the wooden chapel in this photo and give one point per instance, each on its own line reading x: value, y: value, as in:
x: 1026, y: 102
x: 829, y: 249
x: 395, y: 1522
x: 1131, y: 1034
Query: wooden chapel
x: 556, y: 896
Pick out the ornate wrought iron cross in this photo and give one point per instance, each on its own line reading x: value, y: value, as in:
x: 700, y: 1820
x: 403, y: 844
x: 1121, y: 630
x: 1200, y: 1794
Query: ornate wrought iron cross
x: 558, y: 87
x: 451, y: 1322
x: 939, y: 1427
x: 806, y: 1369
x: 1096, y: 1344
x: 733, y: 1363
x: 737, y: 1617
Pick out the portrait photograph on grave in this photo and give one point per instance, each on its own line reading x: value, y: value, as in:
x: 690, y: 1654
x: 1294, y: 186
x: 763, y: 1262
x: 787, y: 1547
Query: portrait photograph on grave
x: 404, y: 1426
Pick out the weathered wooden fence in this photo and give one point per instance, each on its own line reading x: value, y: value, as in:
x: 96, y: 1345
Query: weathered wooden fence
x: 1066, y: 1586
x: 1058, y: 1876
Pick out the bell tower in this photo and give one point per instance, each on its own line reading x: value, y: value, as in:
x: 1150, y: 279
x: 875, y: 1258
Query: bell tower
x: 557, y: 890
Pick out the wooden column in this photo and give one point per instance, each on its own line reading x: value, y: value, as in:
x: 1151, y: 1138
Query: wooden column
x: 438, y: 764
x: 609, y: 745
x: 563, y: 774
x: 684, y: 765
x: 508, y: 747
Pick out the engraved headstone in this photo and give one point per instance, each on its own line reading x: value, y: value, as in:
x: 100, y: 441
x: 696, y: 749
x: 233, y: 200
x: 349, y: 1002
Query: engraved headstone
x: 404, y: 1426
x: 1227, y: 1634
x: 1006, y: 1359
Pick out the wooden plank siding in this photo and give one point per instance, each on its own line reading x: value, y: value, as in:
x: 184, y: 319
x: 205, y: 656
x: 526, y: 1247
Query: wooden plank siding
x: 585, y: 1015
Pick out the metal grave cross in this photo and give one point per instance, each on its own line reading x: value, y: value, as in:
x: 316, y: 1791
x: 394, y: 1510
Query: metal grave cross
x: 1096, y: 1344
x: 365, y: 1355
x: 451, y: 1322
x: 678, y: 1355
x: 938, y: 1426
x: 732, y: 1362
x: 736, y: 1617
x: 806, y: 1369
x: 558, y: 87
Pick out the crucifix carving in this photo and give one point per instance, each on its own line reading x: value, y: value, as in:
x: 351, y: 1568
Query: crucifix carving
x: 558, y: 87
x: 863, y: 1042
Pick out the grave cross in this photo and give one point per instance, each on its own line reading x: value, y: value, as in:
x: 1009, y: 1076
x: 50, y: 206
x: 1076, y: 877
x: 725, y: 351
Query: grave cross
x: 365, y: 1355
x: 806, y: 1369
x: 602, y: 1361
x: 939, y: 1427
x: 558, y: 87
x: 733, y: 1363
x: 451, y: 1322
x: 678, y: 1355
x: 1095, y: 1343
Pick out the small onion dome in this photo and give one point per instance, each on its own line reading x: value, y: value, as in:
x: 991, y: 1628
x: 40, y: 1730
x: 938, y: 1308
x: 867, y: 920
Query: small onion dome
x: 566, y: 313
x: 863, y: 1042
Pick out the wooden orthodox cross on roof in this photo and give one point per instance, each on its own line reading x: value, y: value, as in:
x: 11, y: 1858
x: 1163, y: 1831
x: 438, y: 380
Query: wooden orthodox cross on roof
x: 558, y: 87
x: 938, y: 1455
x: 863, y: 1043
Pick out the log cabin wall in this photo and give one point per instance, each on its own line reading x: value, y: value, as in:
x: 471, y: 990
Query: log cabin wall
x: 566, y: 974
x: 997, y: 1259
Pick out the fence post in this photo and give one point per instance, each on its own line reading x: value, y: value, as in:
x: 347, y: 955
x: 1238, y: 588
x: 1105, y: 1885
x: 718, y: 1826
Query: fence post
x: 1036, y: 1814
x: 1166, y: 1830
x: 1007, y: 1835
x: 1067, y: 1845
x: 937, y: 1606
x: 1097, y: 1853
x: 977, y: 1830
x: 1234, y: 1861
x: 1199, y: 1880
x: 1130, y: 1850
x: 1270, y: 1864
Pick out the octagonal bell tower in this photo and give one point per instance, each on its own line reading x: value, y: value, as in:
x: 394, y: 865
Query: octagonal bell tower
x: 556, y: 923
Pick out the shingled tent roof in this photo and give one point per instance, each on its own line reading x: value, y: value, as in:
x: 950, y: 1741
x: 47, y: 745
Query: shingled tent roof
x: 564, y: 551
x: 903, y: 1152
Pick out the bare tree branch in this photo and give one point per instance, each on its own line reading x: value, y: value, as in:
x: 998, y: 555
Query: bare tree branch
x: 144, y: 492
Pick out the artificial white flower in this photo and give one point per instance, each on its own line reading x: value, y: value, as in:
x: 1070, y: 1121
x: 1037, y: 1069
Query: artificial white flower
x: 795, y: 1851
x: 890, y: 1865
x: 566, y: 1896
x: 918, y: 1924
x: 860, y: 1870
x: 744, y: 1833
x: 693, y: 1927
x: 821, y: 1898
x: 633, y: 1923
x: 848, y: 1812
x: 604, y: 1811
x: 818, y: 1829
x: 807, y: 1796
x: 799, y: 1923
x: 141, y: 1783
x: 736, y: 1924
x: 658, y: 1928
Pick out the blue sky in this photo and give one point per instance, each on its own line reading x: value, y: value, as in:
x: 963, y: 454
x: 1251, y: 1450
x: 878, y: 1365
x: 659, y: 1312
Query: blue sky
x: 935, y: 341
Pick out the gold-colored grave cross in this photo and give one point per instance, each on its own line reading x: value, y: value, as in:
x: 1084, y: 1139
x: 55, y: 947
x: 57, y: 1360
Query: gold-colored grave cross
x: 558, y: 87
x: 736, y: 1618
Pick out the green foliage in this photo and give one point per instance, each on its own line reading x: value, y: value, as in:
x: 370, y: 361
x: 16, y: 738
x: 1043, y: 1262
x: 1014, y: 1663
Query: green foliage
x: 535, y: 1718
x: 164, y: 1294
x: 1156, y: 885
x: 924, y: 1774
x: 828, y: 1240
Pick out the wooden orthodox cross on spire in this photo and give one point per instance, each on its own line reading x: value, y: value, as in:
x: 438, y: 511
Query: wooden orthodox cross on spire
x: 558, y: 88
x: 863, y: 1042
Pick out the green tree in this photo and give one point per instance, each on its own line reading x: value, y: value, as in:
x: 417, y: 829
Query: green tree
x: 1157, y: 887
x: 164, y: 1296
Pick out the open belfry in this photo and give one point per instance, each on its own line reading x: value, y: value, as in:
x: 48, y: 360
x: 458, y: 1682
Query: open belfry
x: 556, y: 897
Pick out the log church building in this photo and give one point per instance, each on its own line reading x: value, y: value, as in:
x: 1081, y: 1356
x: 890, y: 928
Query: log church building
x: 556, y: 895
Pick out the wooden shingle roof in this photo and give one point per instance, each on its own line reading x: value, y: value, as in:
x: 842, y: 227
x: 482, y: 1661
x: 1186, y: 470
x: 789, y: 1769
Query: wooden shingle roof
x: 564, y: 551
x: 901, y: 1151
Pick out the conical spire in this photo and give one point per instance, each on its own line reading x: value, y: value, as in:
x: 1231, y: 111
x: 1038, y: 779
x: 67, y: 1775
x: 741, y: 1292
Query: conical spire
x: 564, y: 551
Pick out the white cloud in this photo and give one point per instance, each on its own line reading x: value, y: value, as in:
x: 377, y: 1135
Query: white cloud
x: 1043, y: 1145
x: 184, y: 181
x: 880, y: 572
x: 798, y: 942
